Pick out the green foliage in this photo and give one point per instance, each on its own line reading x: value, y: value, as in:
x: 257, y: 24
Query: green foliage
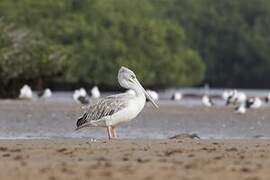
x: 167, y: 43
x: 25, y: 56
x: 99, y: 36
x: 231, y: 36
x: 138, y: 40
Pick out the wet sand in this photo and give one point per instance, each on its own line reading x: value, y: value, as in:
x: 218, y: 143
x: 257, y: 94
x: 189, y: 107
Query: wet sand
x: 49, y: 119
x: 135, y: 159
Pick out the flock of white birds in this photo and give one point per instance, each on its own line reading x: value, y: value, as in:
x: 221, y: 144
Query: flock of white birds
x: 238, y: 99
x: 242, y: 102
x: 27, y: 93
x: 80, y: 95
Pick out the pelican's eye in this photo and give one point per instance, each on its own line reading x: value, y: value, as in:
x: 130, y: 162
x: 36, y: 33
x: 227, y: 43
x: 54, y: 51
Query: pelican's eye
x: 132, y: 77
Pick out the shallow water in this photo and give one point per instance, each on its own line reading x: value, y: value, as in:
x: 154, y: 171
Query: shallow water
x: 56, y: 118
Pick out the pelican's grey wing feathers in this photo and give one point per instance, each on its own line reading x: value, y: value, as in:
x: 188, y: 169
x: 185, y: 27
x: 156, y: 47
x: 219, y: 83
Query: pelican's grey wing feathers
x: 104, y: 107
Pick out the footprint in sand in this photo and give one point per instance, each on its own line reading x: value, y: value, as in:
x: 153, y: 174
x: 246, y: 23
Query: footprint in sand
x: 6, y: 155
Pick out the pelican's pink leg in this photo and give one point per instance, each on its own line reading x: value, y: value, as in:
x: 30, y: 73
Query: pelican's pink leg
x: 114, y: 132
x: 109, y: 131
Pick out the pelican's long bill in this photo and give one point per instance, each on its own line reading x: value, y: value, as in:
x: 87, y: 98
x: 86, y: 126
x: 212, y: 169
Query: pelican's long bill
x: 147, y: 94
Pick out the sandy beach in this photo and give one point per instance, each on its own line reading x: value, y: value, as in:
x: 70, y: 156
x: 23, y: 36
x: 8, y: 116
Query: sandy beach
x: 135, y: 159
x: 38, y: 142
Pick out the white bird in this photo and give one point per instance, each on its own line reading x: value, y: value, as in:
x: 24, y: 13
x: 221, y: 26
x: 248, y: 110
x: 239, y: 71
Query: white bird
x: 26, y: 92
x: 207, y: 101
x: 254, y: 103
x: 80, y: 96
x: 47, y: 93
x: 241, y: 109
x: 226, y: 94
x: 177, y: 96
x: 241, y: 97
x: 95, y: 93
x: 153, y: 94
x: 236, y: 97
x: 113, y: 110
x: 229, y: 96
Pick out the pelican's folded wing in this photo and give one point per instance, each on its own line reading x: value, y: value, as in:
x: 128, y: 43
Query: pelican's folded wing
x: 104, y: 107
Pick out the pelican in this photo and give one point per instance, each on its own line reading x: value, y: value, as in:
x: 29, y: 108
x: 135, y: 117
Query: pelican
x: 26, y: 92
x: 131, y: 92
x: 116, y: 109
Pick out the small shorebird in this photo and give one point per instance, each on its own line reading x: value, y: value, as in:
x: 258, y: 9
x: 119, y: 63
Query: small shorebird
x: 225, y: 95
x: 80, y: 96
x: 95, y: 93
x: 153, y: 94
x: 236, y: 97
x: 250, y: 103
x: 207, y: 101
x: 177, y: 96
x: 113, y: 110
x: 254, y: 103
x: 45, y: 94
x: 267, y: 98
x: 241, y: 109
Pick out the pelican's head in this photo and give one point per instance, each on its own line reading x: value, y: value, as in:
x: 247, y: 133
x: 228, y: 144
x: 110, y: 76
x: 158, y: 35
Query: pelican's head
x: 127, y: 79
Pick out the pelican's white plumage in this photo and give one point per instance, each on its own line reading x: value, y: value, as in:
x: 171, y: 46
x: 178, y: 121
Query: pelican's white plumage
x: 113, y: 110
x: 95, y: 93
x: 131, y: 92
x: 26, y: 92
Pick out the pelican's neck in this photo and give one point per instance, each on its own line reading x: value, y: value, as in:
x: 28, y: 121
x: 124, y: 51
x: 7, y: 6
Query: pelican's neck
x: 139, y: 91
